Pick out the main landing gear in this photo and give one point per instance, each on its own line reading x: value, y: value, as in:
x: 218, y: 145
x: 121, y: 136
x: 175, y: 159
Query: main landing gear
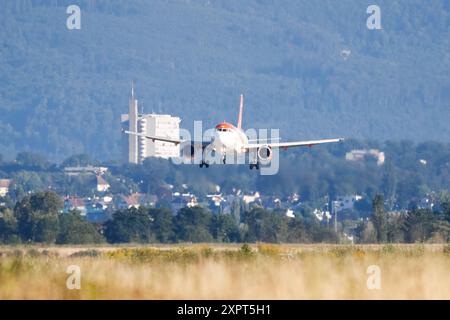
x: 203, y: 163
x: 254, y: 165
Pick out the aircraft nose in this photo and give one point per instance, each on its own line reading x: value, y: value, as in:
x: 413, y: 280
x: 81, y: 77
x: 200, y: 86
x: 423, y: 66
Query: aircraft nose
x: 221, y: 139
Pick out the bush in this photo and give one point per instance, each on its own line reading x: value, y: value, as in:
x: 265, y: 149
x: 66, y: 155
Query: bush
x: 86, y: 253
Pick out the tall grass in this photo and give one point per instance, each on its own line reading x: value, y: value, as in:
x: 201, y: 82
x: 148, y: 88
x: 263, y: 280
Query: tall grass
x: 208, y: 272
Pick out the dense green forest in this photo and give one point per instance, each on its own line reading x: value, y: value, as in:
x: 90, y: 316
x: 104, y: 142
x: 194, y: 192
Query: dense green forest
x: 62, y: 91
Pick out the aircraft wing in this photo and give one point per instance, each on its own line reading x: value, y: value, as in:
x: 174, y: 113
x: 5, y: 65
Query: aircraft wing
x: 155, y: 138
x: 185, y: 143
x: 292, y: 144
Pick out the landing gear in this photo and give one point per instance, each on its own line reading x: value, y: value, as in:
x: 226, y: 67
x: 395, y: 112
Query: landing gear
x: 253, y: 159
x: 254, y: 165
x: 224, y: 160
x: 203, y: 163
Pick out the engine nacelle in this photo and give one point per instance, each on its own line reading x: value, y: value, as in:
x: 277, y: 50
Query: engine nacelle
x: 265, y: 153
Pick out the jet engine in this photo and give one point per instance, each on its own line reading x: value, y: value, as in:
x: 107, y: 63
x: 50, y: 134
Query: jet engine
x: 265, y: 153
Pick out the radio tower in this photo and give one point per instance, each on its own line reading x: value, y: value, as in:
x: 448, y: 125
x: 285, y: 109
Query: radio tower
x: 133, y: 124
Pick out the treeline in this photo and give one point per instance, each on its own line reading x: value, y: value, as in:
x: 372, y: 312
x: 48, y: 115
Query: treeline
x: 38, y: 219
x: 416, y: 225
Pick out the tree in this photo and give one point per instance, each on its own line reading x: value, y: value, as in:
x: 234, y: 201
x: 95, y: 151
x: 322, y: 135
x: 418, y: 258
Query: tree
x: 266, y: 226
x: 366, y: 232
x: 193, y: 224
x: 37, y: 217
x: 46, y: 228
x: 389, y: 184
x: 253, y: 219
x: 73, y: 229
x: 395, y: 232
x: 446, y: 209
x: 323, y: 234
x: 379, y: 218
x: 363, y: 206
x: 162, y: 226
x: 77, y: 160
x: 224, y: 228
x: 8, y: 227
x: 297, y: 231
x: 32, y: 161
x: 131, y: 225
x: 419, y: 225
x: 236, y: 210
x: 441, y: 231
x: 155, y: 170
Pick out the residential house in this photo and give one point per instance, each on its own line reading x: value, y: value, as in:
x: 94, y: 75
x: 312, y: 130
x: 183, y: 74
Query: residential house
x: 360, y: 155
x: 251, y: 200
x: 97, y: 210
x: 75, y: 203
x: 322, y: 215
x: 182, y: 200
x: 4, y: 187
x: 215, y: 202
x: 76, y: 171
x: 290, y: 213
x: 426, y: 202
x: 136, y: 200
x: 102, y: 184
x: 272, y: 202
x: 345, y: 202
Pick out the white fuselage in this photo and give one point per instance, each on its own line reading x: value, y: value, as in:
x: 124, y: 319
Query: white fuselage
x: 230, y: 139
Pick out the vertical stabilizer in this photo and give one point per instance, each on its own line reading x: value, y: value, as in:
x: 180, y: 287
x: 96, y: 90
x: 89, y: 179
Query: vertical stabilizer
x: 241, y: 109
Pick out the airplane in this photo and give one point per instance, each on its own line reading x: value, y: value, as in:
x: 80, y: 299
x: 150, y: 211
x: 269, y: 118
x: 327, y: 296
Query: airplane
x: 228, y: 138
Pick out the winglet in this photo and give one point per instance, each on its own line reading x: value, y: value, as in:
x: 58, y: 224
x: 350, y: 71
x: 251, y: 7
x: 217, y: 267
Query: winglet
x: 241, y: 108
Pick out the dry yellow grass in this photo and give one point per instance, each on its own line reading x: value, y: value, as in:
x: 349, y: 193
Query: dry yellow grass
x: 226, y: 272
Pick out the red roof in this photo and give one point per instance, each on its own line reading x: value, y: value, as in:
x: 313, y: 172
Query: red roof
x: 101, y: 181
x: 75, y: 202
x: 4, y: 183
x: 133, y: 199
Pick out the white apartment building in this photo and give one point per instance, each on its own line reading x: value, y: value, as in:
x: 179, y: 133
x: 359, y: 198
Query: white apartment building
x: 161, y: 125
x: 360, y: 155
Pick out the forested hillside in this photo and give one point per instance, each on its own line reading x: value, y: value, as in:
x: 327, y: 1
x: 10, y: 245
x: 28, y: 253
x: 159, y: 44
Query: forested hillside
x: 310, y: 68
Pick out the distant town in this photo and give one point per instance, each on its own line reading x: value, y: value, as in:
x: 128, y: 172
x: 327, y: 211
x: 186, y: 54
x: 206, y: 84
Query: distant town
x: 318, y: 196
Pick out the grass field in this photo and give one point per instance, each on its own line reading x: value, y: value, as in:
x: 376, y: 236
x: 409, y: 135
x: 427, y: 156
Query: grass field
x: 227, y: 272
